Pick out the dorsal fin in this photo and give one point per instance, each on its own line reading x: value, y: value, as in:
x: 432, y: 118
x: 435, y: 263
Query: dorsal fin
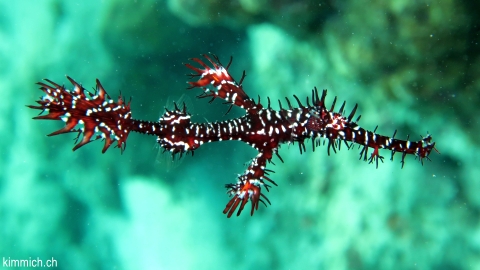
x: 217, y: 82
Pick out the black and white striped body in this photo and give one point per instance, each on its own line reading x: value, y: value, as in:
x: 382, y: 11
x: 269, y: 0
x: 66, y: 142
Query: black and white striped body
x: 263, y: 128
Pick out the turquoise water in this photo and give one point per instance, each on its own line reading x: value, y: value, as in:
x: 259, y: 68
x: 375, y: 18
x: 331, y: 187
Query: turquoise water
x: 411, y: 67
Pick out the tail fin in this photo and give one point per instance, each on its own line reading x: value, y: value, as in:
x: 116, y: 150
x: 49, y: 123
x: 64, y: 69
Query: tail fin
x: 97, y: 112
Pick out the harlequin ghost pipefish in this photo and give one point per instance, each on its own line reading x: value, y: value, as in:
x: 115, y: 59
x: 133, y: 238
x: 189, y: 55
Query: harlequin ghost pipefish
x: 265, y: 129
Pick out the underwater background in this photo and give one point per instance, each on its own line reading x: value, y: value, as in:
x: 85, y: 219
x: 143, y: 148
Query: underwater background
x: 410, y: 65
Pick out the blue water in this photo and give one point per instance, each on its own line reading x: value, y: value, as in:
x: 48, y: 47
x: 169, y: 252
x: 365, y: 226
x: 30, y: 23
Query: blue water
x: 410, y: 67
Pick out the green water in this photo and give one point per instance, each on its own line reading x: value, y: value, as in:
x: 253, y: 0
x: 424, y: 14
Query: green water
x: 414, y: 67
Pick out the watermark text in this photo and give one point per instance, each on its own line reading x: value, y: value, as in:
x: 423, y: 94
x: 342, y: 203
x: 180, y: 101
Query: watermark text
x: 30, y: 262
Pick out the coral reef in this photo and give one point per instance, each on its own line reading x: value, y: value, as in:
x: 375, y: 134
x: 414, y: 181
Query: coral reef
x: 420, y: 60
